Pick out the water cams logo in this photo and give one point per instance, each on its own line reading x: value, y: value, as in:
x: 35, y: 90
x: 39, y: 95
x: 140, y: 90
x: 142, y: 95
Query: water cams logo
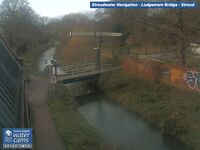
x: 17, y: 138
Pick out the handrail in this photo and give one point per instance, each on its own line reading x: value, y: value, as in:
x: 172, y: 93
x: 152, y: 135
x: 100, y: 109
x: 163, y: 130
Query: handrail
x: 86, y: 73
x: 81, y: 70
x: 25, y: 112
x: 78, y: 65
x: 86, y: 69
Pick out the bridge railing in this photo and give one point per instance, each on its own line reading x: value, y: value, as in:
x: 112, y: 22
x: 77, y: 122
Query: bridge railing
x: 77, y: 69
x: 77, y: 66
x: 79, y: 72
x: 81, y: 69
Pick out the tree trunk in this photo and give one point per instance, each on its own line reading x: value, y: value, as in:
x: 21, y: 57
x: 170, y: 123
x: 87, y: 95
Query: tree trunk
x: 182, y: 36
x: 182, y: 51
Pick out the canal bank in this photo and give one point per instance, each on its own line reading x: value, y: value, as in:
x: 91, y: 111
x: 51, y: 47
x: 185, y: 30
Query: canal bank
x: 175, y: 112
x: 95, y: 122
x: 75, y: 132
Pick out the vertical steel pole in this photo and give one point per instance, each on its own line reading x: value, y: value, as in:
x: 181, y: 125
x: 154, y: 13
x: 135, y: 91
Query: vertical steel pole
x: 98, y: 50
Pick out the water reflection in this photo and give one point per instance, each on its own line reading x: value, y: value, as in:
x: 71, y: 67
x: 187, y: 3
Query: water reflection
x: 45, y: 59
x: 121, y: 128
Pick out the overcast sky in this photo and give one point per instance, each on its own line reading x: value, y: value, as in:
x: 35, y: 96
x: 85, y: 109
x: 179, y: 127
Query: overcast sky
x: 56, y: 8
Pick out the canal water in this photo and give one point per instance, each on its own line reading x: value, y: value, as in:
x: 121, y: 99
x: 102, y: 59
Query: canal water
x: 45, y: 59
x: 121, y: 128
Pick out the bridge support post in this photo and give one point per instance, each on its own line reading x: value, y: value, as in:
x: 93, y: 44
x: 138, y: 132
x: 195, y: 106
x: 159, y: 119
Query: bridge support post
x: 98, y: 50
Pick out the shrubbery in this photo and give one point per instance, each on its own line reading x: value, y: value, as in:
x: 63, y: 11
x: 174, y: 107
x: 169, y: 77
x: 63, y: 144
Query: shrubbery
x: 175, y: 112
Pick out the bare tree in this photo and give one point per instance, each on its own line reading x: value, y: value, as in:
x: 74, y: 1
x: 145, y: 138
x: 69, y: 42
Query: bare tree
x: 19, y: 22
x: 158, y: 27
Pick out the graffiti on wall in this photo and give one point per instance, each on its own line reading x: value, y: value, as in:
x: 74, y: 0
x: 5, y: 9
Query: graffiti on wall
x: 192, y: 78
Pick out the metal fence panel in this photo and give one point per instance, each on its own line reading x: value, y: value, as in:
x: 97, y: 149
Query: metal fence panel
x: 10, y: 85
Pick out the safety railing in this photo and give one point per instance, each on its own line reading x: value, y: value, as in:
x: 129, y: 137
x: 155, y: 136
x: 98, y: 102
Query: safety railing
x: 84, y: 70
x: 25, y: 106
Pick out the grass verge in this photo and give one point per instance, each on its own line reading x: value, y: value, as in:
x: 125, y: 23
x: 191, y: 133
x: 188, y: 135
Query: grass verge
x: 75, y: 132
x: 175, y: 112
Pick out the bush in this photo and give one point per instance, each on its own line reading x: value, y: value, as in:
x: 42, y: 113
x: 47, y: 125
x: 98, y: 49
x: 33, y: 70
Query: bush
x: 175, y: 128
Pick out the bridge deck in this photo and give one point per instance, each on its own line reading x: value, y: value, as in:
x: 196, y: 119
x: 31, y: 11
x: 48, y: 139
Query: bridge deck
x: 77, y: 72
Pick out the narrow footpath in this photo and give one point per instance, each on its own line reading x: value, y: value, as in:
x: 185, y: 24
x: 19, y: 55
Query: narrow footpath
x: 45, y: 135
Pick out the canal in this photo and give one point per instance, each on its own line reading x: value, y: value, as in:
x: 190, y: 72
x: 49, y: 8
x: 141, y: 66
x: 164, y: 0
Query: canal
x: 120, y: 128
x: 45, y: 59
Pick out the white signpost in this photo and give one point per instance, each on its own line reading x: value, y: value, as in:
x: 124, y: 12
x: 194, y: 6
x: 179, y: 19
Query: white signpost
x: 53, y: 79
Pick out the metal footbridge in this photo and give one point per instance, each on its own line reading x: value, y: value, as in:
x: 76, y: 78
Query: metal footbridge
x: 78, y: 72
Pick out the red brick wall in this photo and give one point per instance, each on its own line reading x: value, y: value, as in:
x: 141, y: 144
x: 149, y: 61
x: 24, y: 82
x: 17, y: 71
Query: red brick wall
x: 176, y: 76
x: 145, y: 69
x: 181, y: 77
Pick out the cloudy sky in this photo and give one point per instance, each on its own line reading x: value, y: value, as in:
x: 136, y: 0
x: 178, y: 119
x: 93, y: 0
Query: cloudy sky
x: 56, y: 8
